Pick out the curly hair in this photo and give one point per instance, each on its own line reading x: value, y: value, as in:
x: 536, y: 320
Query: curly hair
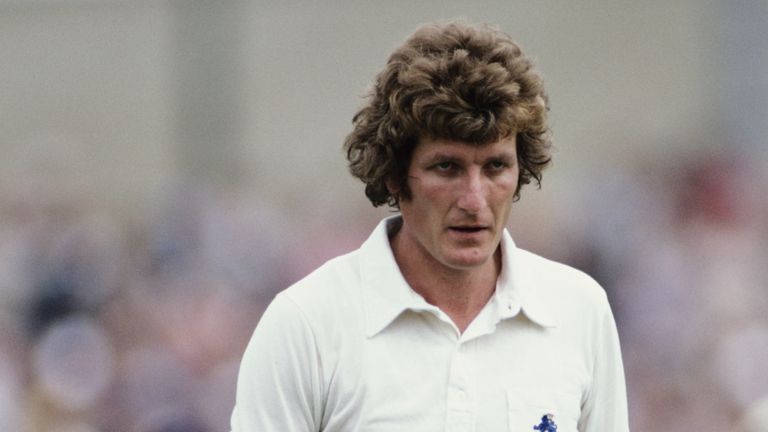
x: 455, y: 81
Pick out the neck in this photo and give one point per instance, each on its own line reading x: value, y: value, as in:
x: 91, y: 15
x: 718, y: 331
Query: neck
x: 460, y: 293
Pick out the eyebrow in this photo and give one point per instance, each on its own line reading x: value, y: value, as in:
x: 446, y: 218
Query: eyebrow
x: 505, y: 156
x: 448, y: 157
x: 441, y: 157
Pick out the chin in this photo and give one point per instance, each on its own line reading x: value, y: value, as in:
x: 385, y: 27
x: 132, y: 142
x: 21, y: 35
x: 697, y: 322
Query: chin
x: 466, y: 261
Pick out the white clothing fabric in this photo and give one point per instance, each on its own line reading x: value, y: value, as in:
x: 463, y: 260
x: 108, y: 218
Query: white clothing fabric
x: 352, y: 347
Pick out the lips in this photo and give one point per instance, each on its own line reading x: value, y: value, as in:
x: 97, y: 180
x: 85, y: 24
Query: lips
x: 469, y: 229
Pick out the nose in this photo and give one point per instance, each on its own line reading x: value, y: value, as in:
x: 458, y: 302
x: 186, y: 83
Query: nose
x: 472, y: 194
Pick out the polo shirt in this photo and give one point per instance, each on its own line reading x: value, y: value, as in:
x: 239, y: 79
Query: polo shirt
x: 352, y: 347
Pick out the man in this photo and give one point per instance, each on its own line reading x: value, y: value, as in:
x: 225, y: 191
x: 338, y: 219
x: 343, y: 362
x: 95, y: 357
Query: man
x: 439, y: 322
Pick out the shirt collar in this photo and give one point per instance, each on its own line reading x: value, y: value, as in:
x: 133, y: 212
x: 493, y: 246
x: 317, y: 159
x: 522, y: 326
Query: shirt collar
x: 517, y: 288
x: 386, y: 294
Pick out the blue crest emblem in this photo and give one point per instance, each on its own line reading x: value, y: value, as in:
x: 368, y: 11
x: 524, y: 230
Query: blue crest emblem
x: 547, y: 424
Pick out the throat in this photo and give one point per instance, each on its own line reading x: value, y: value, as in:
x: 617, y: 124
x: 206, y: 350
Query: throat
x: 462, y: 302
x: 459, y: 292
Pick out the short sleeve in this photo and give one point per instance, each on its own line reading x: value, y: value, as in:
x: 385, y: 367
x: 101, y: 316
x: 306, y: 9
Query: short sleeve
x: 605, y: 407
x: 278, y: 387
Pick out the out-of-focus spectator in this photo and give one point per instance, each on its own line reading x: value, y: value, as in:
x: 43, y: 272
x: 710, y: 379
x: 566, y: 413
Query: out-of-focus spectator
x: 11, y: 376
x: 73, y: 363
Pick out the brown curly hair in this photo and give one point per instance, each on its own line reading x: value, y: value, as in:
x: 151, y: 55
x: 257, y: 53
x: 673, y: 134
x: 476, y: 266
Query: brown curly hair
x: 455, y: 81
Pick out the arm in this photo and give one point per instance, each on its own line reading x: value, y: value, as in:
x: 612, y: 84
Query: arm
x: 278, y: 388
x: 605, y: 407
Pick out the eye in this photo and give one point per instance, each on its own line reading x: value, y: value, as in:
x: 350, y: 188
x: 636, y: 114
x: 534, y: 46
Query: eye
x: 497, y: 165
x: 444, y: 166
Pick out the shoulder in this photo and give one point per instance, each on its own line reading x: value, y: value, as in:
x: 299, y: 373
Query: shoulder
x: 329, y: 290
x: 560, y: 282
x: 332, y: 278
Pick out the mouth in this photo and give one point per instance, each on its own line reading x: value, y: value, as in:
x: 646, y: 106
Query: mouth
x: 468, y: 229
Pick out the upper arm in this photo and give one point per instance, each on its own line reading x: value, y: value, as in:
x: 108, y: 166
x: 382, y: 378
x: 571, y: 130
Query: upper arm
x: 605, y: 406
x: 278, y: 387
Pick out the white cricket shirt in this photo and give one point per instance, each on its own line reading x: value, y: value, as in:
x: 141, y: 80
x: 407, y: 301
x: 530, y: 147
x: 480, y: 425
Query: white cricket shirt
x: 352, y: 347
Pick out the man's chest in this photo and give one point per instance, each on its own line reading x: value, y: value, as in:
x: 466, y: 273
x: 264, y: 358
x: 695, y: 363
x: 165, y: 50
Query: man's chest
x: 414, y: 376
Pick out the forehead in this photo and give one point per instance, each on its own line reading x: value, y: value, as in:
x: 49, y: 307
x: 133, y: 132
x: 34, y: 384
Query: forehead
x: 431, y: 147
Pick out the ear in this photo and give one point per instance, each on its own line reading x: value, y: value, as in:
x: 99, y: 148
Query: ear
x: 392, y: 187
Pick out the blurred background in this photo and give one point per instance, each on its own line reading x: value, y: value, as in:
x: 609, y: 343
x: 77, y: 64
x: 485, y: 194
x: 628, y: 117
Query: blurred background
x: 167, y: 166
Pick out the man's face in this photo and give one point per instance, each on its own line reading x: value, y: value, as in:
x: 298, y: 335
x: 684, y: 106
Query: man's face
x: 461, y: 195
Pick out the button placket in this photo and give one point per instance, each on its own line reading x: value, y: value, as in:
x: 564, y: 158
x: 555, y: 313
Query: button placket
x: 460, y: 410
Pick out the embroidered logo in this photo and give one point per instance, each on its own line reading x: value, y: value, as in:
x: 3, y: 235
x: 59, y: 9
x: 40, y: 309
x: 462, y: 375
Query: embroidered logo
x: 547, y: 424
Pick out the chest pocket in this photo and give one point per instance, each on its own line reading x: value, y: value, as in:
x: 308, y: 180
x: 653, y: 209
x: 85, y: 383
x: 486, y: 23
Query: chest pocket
x: 525, y: 409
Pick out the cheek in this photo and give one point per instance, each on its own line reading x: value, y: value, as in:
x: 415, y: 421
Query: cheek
x: 506, y: 185
x: 512, y: 181
x: 504, y: 195
x: 435, y: 196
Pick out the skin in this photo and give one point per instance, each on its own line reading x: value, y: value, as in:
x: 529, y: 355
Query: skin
x: 448, y: 246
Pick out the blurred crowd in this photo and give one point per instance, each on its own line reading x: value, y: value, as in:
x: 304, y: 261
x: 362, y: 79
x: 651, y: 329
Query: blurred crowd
x: 117, y: 324
x: 113, y: 323
x: 682, y: 249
